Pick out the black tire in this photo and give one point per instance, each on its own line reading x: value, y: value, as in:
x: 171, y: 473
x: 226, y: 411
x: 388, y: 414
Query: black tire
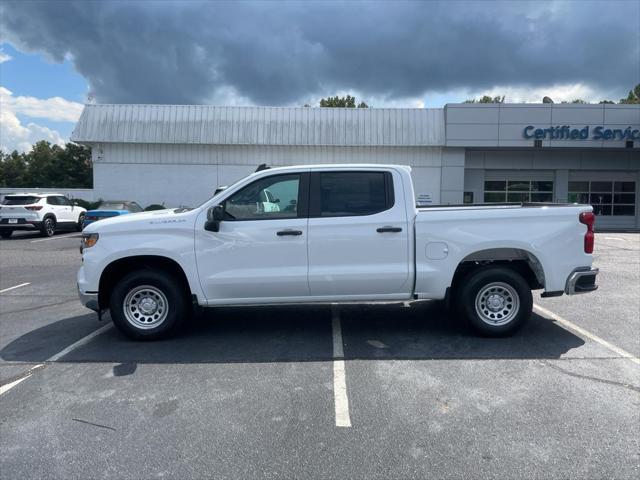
x: 79, y: 226
x: 150, y: 286
x: 495, y: 301
x: 48, y: 227
x: 6, y: 233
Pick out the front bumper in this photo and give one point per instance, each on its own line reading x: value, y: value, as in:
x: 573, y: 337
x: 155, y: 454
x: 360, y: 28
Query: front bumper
x: 582, y: 280
x: 89, y: 300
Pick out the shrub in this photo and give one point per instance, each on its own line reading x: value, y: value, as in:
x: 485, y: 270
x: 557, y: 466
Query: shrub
x: 154, y: 206
x: 86, y: 204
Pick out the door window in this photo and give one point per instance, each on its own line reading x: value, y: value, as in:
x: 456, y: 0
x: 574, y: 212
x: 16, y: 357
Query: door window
x: 53, y: 201
x: 341, y: 194
x: 268, y: 198
x: 507, y: 191
x: 607, y: 198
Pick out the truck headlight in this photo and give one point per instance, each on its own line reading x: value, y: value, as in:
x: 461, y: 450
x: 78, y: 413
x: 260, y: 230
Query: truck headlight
x: 88, y: 240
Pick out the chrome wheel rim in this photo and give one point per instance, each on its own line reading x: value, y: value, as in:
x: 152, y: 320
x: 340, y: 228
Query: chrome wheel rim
x: 48, y: 226
x: 145, y: 307
x: 497, y: 303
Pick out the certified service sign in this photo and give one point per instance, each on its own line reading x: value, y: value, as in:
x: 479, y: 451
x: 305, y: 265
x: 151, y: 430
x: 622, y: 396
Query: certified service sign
x: 566, y: 132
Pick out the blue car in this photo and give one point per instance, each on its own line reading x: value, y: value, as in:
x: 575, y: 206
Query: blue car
x: 111, y: 208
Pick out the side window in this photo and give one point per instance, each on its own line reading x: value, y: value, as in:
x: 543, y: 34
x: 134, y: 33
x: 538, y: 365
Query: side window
x: 53, y: 201
x: 268, y: 198
x: 64, y: 201
x: 135, y: 208
x: 340, y: 194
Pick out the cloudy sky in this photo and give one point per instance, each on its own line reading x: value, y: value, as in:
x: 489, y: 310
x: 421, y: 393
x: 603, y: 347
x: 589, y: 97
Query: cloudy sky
x: 56, y: 55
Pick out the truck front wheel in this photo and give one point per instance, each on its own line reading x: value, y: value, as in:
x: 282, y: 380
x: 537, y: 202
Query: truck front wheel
x: 147, y: 305
x: 495, y: 301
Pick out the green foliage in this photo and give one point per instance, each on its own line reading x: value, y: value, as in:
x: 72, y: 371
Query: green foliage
x: 86, y: 204
x: 486, y: 99
x: 154, y: 206
x: 633, y: 97
x: 344, y: 102
x: 47, y: 166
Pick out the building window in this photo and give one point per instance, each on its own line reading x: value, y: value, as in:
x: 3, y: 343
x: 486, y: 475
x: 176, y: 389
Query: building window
x: 508, y: 191
x: 607, y: 198
x: 467, y: 197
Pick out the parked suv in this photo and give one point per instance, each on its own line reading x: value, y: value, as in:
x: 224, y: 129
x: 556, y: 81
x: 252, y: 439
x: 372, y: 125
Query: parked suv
x: 46, y: 212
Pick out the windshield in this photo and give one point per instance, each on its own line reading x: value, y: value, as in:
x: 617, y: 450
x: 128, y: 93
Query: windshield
x: 20, y: 200
x: 112, y: 206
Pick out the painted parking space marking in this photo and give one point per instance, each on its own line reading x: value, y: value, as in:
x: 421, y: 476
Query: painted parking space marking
x: 56, y: 357
x: 340, y: 398
x: 585, y: 333
x: 57, y: 237
x: 79, y: 343
x: 14, y: 287
x: 8, y: 386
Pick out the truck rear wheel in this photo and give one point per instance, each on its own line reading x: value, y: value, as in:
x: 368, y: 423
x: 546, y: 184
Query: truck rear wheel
x: 6, y: 233
x: 148, y: 305
x: 495, y: 301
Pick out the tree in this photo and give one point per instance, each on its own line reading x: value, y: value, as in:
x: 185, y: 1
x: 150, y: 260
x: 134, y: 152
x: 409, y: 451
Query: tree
x: 633, y: 97
x: 47, y: 166
x: 343, y: 102
x: 486, y: 99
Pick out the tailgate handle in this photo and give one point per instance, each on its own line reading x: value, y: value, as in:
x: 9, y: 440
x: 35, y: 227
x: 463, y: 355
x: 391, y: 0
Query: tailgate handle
x: 388, y: 229
x: 282, y: 233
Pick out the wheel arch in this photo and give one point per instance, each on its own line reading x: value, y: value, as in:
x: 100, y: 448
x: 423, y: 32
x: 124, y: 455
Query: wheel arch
x: 520, y: 260
x: 120, y: 267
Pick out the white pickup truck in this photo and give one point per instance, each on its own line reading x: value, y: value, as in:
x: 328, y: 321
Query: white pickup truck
x: 333, y: 233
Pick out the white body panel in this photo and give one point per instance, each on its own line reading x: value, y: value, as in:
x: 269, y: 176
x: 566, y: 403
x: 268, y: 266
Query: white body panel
x: 339, y: 258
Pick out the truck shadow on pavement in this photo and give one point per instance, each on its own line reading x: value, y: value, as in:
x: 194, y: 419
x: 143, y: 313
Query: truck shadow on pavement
x: 420, y: 331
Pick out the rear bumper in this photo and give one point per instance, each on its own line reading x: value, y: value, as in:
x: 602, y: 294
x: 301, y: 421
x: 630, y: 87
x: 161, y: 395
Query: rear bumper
x: 21, y: 225
x: 582, y: 280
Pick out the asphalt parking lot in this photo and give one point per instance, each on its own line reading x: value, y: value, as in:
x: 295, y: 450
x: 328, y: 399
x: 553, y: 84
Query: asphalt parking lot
x: 355, y: 391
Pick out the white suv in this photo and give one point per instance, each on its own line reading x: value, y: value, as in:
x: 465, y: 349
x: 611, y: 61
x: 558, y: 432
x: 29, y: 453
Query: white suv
x: 46, y: 212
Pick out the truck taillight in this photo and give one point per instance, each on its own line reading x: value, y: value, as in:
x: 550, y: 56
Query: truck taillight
x: 588, y: 218
x: 34, y: 207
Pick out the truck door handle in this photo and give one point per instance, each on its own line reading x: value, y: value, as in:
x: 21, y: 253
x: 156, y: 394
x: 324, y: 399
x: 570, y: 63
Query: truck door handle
x: 388, y: 229
x: 282, y: 233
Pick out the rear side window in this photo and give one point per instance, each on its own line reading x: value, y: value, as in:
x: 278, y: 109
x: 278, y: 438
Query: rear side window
x: 20, y: 200
x: 343, y: 194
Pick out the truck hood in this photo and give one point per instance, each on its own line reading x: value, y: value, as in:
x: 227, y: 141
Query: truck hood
x: 135, y: 221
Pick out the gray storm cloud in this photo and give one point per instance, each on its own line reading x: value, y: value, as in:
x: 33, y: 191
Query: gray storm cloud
x: 280, y: 53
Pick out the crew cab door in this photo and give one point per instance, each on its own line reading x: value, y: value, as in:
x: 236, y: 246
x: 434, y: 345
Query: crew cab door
x: 259, y: 253
x: 358, y: 235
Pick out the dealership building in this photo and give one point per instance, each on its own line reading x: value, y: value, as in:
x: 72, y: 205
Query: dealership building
x: 462, y: 153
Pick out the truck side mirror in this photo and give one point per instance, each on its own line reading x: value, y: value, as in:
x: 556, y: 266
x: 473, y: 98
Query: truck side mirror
x: 215, y: 215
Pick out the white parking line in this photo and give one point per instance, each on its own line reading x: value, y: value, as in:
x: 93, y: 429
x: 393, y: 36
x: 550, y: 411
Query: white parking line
x: 341, y: 400
x: 14, y: 287
x: 57, y: 237
x: 614, y: 238
x: 27, y: 374
x: 572, y: 326
x: 79, y: 343
x: 57, y: 356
